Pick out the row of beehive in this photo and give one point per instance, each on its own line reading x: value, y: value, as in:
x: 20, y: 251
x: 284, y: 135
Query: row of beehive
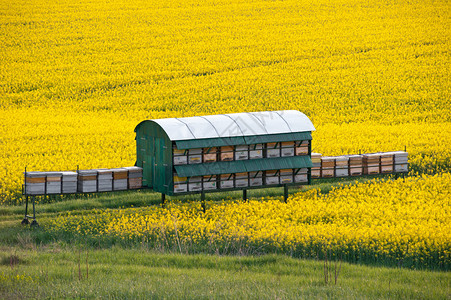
x: 239, y: 180
x: 240, y: 152
x: 359, y: 164
x: 83, y: 181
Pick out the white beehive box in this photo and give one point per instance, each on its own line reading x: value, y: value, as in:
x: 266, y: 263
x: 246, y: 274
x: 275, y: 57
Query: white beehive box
x: 180, y: 184
x: 180, y: 188
x: 210, y: 183
x: 180, y: 156
x: 195, y: 184
x: 105, y: 180
x: 301, y: 176
x: 287, y: 149
x: 271, y: 177
x: 34, y: 183
x: 194, y: 156
x: 241, y: 152
x: 87, y: 181
x: 400, y: 161
x: 241, y: 180
x: 255, y: 178
x: 69, y: 182
x: 226, y: 181
x: 180, y: 160
x: 286, y: 176
x: 273, y: 150
x: 256, y: 151
x: 341, y: 166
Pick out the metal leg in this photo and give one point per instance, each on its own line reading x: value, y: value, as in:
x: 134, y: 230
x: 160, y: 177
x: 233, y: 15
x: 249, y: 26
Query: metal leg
x: 202, y: 199
x: 163, y: 198
x: 25, y: 219
x: 244, y: 195
x: 34, y: 222
x: 285, y: 192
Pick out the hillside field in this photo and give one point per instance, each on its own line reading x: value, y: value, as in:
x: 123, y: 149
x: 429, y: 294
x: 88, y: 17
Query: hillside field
x: 76, y: 77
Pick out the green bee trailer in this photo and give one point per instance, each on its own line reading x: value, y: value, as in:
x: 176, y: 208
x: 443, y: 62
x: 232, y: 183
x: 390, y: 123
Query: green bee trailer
x: 216, y: 153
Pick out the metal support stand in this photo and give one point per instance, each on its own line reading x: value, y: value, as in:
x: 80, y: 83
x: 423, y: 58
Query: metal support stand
x: 24, y: 191
x: 163, y: 198
x: 244, y: 195
x: 34, y: 222
x: 285, y: 193
x: 202, y: 202
x: 25, y: 219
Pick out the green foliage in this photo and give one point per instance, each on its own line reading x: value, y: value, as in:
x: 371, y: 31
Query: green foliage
x: 61, y: 271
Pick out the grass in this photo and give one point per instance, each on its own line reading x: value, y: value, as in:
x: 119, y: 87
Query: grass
x: 53, y: 272
x: 34, y: 264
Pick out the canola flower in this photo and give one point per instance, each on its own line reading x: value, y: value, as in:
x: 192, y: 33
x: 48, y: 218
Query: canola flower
x: 404, y: 221
x: 8, y: 278
x: 76, y: 78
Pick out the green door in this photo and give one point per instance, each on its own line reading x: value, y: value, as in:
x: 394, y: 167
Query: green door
x: 148, y: 162
x: 159, y: 178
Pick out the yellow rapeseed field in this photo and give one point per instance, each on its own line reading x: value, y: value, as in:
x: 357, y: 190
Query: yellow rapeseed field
x: 77, y: 76
x: 403, y: 221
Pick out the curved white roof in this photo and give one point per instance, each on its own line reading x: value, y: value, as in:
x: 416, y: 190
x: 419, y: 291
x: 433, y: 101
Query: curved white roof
x: 238, y: 124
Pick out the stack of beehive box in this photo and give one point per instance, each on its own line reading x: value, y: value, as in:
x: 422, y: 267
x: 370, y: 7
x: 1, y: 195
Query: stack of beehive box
x: 327, y: 166
x: 256, y: 178
x: 302, y: 148
x: 355, y: 164
x: 194, y: 156
x: 69, y: 182
x: 256, y: 151
x: 34, y: 183
x: 226, y: 153
x: 180, y: 184
x: 386, y: 160
x: 301, y: 175
x: 272, y: 177
x: 242, y: 152
x: 371, y: 163
x: 104, y: 180
x: 209, y: 182
x: 53, y: 182
x: 180, y: 156
x: 400, y: 161
x: 87, y: 181
x: 237, y: 153
x: 241, y: 179
x: 341, y: 166
x: 195, y: 183
x: 226, y: 181
x: 209, y: 154
x: 135, y: 177
x: 273, y: 150
x: 287, y: 149
x: 286, y: 176
x: 316, y: 169
x: 119, y: 179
